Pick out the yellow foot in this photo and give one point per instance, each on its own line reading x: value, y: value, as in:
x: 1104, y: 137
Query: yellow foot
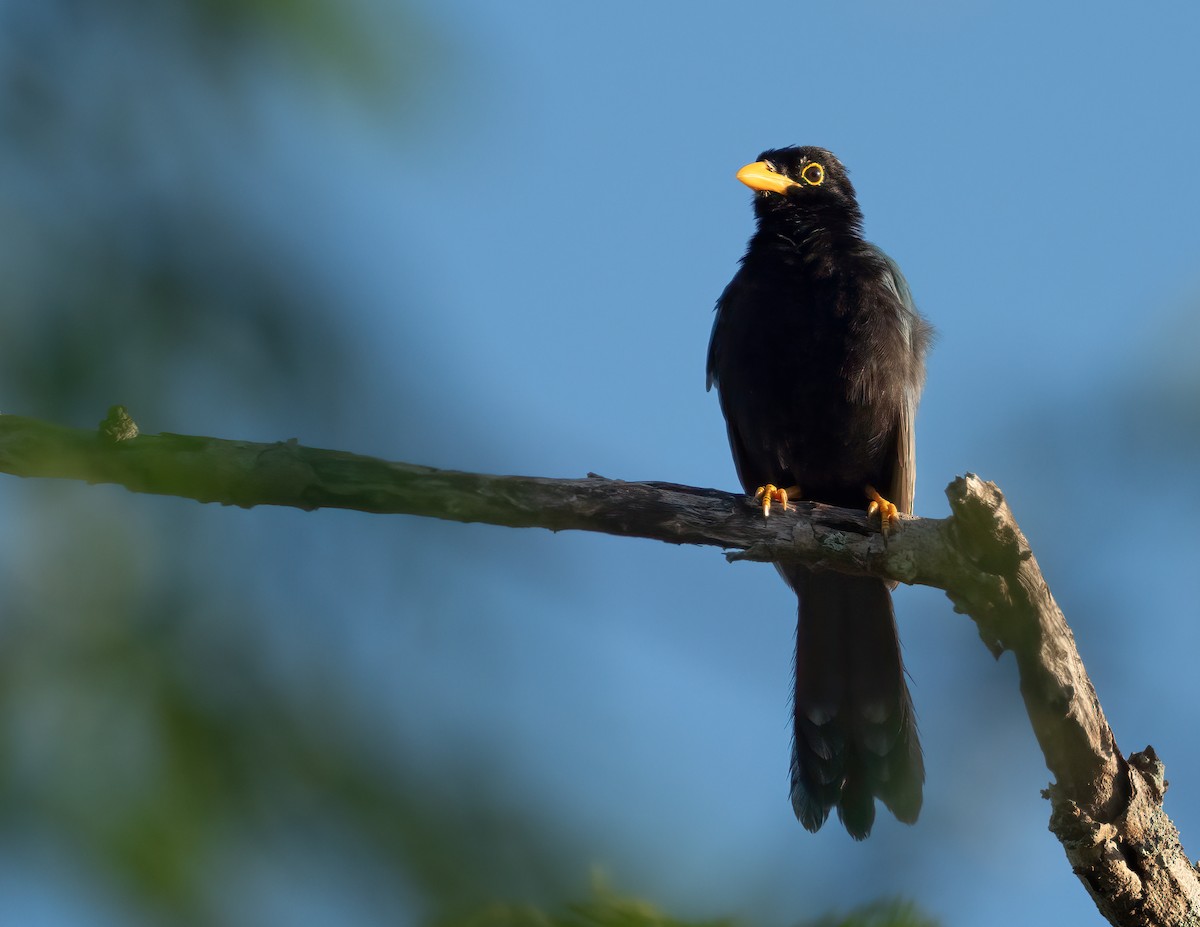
x: 888, y: 513
x: 772, y: 493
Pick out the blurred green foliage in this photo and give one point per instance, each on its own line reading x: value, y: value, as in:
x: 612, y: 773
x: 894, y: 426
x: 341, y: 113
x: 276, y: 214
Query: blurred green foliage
x: 141, y: 728
x: 608, y: 909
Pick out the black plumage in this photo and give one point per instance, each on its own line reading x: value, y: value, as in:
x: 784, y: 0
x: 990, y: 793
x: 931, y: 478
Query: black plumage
x: 817, y: 353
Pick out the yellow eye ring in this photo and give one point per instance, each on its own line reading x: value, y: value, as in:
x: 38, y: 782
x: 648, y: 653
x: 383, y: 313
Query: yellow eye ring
x: 813, y: 174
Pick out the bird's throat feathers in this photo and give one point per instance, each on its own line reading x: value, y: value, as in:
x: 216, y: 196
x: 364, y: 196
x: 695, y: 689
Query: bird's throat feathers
x: 792, y: 240
x: 815, y: 225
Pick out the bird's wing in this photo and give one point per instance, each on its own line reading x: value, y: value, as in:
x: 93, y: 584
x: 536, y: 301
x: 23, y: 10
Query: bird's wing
x: 916, y: 334
x: 905, y: 473
x: 728, y: 295
x: 750, y: 471
x: 743, y: 461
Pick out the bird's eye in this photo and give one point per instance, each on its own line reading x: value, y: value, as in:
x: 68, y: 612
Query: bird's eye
x: 813, y: 174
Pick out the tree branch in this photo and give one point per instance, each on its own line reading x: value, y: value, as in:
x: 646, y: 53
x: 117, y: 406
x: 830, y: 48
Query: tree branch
x: 1106, y: 810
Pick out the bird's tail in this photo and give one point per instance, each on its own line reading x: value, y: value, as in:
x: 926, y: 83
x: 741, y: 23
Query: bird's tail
x: 855, y: 734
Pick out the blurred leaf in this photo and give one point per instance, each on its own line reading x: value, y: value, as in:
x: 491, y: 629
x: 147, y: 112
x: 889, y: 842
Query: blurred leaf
x: 880, y: 914
x: 337, y: 38
x: 607, y: 909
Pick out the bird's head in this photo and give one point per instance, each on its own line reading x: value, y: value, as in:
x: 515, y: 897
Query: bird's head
x: 801, y: 183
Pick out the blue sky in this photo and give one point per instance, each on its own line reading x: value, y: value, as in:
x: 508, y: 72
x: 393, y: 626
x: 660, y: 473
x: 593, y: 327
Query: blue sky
x: 533, y: 263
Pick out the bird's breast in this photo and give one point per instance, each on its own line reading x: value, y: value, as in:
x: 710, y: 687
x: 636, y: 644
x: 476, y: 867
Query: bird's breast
x: 803, y: 374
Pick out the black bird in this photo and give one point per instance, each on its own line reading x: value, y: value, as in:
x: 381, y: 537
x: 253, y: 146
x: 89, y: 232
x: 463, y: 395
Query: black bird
x: 818, y: 356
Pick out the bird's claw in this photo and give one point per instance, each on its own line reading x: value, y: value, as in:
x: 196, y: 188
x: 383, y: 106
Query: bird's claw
x: 889, y: 514
x: 771, y: 493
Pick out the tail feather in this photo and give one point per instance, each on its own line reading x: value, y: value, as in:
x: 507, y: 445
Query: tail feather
x: 854, y: 734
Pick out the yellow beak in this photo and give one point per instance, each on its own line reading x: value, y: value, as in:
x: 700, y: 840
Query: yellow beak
x: 759, y: 176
